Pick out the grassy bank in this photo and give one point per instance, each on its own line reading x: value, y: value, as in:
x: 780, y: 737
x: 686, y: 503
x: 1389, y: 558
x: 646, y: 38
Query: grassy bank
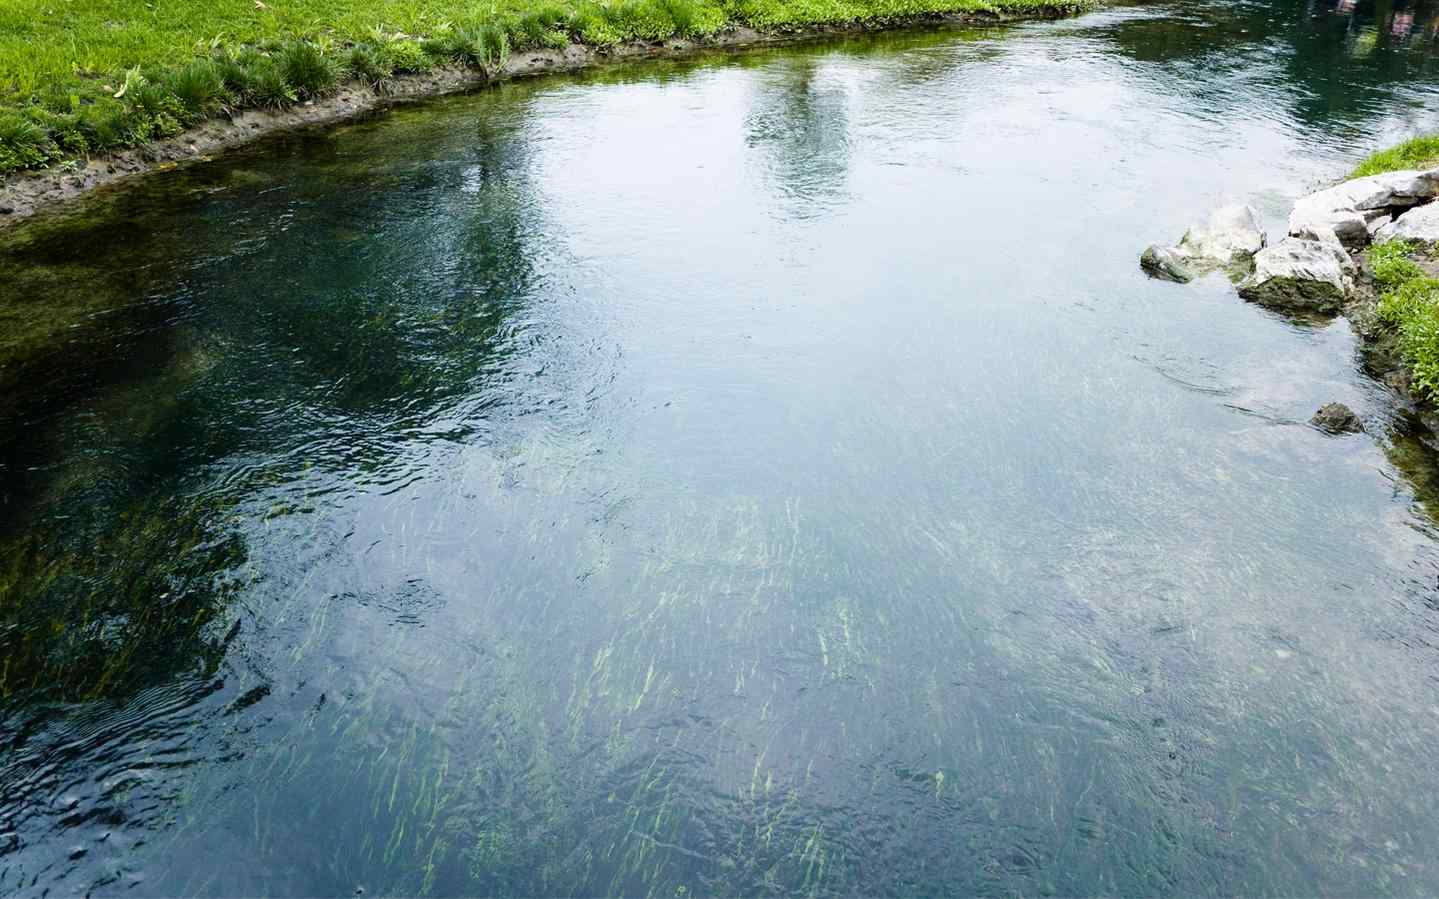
x: 1408, y: 293
x: 82, y: 77
x: 1409, y: 302
x: 1418, y: 153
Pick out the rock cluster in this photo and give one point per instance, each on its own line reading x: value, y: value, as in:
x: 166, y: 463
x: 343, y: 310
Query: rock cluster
x: 1351, y: 213
x: 1311, y: 269
x: 1228, y: 240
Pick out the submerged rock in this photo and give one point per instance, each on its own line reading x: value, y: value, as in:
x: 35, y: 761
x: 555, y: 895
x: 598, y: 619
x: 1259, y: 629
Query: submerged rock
x: 1301, y: 276
x: 1165, y: 263
x: 1419, y: 224
x: 1337, y: 418
x: 1229, y: 238
x: 1347, y: 210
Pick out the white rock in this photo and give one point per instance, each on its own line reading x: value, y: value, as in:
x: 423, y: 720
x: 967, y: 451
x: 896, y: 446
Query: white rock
x: 1347, y: 209
x: 1232, y: 234
x: 1421, y: 224
x: 1300, y: 275
x: 1319, y: 221
x: 1381, y: 191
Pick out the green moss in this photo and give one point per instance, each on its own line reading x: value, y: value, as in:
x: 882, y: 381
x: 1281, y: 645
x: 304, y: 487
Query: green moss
x: 1420, y: 152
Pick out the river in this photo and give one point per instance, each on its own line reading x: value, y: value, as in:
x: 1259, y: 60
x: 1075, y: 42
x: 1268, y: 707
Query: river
x: 766, y: 473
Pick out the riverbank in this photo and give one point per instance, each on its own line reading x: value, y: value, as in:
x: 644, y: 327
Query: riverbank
x: 63, y: 166
x: 1392, y: 301
x: 1365, y: 248
x: 1395, y: 305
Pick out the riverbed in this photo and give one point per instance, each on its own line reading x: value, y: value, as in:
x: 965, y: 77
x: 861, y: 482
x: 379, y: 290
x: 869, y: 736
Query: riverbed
x: 766, y: 473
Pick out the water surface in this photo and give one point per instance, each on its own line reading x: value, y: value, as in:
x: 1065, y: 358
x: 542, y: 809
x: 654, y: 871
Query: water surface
x: 763, y: 474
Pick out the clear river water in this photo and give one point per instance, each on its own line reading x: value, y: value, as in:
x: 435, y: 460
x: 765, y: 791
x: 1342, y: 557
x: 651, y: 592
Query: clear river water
x: 767, y: 473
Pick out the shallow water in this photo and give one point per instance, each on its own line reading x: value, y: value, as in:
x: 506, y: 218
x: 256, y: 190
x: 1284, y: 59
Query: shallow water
x: 761, y: 474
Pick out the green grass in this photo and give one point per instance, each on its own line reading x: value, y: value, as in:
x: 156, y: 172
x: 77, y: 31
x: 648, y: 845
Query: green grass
x: 1410, y: 303
x: 1421, y: 152
x: 86, y: 76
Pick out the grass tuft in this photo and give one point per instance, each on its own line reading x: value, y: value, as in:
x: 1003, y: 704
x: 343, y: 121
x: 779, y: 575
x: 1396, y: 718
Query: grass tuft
x: 489, y: 46
x: 269, y: 88
x: 155, y: 111
x: 547, y: 25
x: 368, y: 63
x: 406, y: 56
x: 307, y: 70
x: 683, y: 16
x: 200, y: 88
x: 591, y: 23
x: 106, y: 125
x: 23, y: 144
x: 446, y: 43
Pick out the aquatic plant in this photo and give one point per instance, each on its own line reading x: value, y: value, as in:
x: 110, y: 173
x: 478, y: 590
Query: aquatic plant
x: 113, y: 614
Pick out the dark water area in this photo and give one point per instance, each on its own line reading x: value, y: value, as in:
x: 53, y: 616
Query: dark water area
x: 762, y: 474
